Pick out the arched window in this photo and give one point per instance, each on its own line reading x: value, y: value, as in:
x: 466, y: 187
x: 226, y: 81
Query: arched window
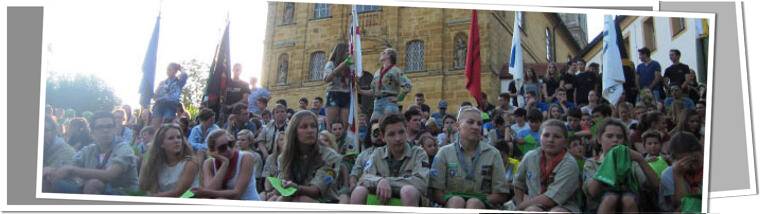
x: 460, y: 50
x: 321, y: 11
x: 287, y: 15
x: 415, y: 56
x: 316, y: 65
x: 282, y: 69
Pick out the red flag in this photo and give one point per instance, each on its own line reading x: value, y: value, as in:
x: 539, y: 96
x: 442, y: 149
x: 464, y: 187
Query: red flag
x: 472, y: 62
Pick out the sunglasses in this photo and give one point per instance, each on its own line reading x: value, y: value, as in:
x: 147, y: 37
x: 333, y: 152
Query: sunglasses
x: 225, y: 147
x: 376, y: 133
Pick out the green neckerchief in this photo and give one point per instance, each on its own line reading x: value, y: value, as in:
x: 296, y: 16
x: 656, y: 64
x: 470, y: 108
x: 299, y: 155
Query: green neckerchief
x: 530, y: 144
x: 277, y: 184
x: 616, y: 170
x: 691, y: 204
x: 373, y: 200
x: 658, y: 165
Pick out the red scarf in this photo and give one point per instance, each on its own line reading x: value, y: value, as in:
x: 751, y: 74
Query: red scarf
x: 230, y: 167
x: 546, y: 168
x: 382, y: 74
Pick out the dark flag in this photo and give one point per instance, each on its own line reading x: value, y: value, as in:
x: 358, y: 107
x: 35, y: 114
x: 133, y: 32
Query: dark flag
x: 472, y: 61
x: 219, y: 74
x: 149, y: 67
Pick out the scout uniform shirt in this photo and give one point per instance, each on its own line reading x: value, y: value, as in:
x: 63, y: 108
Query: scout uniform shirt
x: 121, y: 154
x: 324, y: 178
x: 562, y: 188
x: 408, y: 171
x: 267, y: 135
x: 361, y: 162
x: 483, y: 173
x: 394, y: 83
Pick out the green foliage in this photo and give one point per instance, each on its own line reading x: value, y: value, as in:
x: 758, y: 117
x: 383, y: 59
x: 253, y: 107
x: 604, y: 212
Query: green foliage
x: 81, y: 92
x: 197, y: 76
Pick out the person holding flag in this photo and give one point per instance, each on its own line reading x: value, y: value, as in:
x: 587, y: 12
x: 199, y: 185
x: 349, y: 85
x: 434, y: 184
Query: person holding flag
x: 338, y: 77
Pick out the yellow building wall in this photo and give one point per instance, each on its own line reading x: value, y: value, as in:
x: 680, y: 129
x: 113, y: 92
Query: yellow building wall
x: 395, y: 27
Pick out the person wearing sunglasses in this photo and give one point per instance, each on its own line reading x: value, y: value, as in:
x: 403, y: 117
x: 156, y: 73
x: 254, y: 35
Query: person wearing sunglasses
x: 306, y: 164
x: 170, y: 168
x: 228, y: 173
x: 106, y: 167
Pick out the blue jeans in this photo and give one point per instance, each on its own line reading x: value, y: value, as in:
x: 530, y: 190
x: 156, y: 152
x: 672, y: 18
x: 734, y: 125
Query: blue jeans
x: 384, y: 106
x: 166, y: 110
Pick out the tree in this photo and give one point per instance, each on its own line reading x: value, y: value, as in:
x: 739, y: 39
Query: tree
x: 197, y: 76
x: 81, y: 92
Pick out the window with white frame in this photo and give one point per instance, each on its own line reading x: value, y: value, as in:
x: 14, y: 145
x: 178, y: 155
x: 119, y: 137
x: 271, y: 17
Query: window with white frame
x: 321, y: 11
x: 316, y: 65
x: 415, y: 56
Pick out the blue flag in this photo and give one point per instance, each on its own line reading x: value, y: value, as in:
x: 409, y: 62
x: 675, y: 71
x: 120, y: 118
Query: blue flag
x: 149, y: 67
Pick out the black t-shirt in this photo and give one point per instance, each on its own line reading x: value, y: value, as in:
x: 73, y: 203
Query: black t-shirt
x: 677, y: 73
x: 569, y: 79
x: 551, y: 85
x: 584, y: 83
x: 236, y: 90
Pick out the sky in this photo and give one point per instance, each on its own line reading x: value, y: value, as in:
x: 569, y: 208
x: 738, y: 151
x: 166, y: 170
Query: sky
x: 595, y: 25
x: 110, y: 38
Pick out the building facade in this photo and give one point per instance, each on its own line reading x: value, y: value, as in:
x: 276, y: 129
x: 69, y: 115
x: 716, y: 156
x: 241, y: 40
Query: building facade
x: 577, y: 25
x: 431, y: 45
x: 660, y: 34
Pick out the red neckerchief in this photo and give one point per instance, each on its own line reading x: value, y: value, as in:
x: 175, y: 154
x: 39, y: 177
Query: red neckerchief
x: 382, y: 74
x: 546, y: 168
x: 230, y: 167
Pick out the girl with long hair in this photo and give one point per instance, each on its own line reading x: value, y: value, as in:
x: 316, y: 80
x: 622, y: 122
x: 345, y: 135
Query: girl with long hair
x: 169, y: 169
x: 337, y: 75
x: 307, y: 165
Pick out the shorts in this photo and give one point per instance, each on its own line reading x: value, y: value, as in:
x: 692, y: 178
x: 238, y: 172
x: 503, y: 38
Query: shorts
x: 338, y: 99
x: 383, y: 106
x: 166, y: 110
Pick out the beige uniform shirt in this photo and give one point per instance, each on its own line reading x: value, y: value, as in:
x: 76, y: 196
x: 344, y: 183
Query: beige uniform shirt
x: 486, y: 169
x: 266, y: 136
x: 394, y: 82
x: 562, y: 188
x: 411, y: 171
x: 325, y: 177
x: 361, y: 162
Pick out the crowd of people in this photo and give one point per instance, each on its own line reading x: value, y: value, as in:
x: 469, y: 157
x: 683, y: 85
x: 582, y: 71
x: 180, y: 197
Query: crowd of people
x: 551, y: 145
